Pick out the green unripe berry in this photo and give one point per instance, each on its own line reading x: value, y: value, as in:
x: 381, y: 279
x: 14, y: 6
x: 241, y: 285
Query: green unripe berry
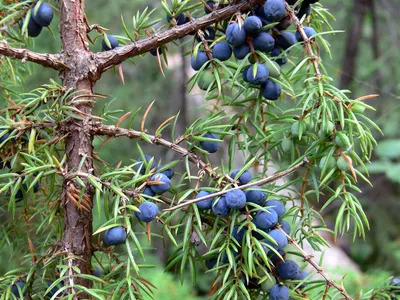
x: 342, y: 164
x: 303, y: 125
x: 303, y: 141
x: 17, y: 165
x: 357, y: 107
x: 327, y: 130
x: 273, y: 71
x: 286, y: 145
x: 267, y: 285
x: 343, y: 141
x: 205, y: 79
x: 329, y: 161
x: 308, y: 122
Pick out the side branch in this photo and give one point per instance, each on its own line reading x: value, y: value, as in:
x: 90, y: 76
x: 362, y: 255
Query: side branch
x: 113, y: 131
x: 309, y: 259
x: 307, y: 41
x: 260, y: 182
x: 114, y: 57
x: 47, y: 60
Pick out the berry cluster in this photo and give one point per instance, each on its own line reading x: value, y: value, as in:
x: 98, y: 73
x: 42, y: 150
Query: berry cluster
x: 251, y: 39
x: 40, y: 17
x: 265, y: 220
x: 159, y: 183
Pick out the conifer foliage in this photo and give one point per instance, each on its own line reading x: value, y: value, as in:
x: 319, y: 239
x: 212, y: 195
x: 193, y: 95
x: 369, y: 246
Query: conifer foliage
x: 273, y: 104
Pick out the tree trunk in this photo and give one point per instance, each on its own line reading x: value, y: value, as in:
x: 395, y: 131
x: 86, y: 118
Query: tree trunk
x: 375, y: 44
x: 354, y: 34
x: 78, y: 145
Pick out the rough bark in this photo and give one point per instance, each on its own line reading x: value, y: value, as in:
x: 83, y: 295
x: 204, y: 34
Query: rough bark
x: 114, y: 57
x: 78, y: 222
x: 46, y: 60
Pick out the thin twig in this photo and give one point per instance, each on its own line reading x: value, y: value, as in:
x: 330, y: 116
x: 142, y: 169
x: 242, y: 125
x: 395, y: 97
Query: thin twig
x: 112, y: 131
x: 307, y: 41
x: 308, y: 259
x: 263, y: 181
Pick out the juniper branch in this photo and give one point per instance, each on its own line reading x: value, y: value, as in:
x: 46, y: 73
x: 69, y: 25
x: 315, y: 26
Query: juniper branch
x: 113, y: 131
x: 116, y: 56
x: 317, y: 267
x: 46, y: 60
x: 260, y: 182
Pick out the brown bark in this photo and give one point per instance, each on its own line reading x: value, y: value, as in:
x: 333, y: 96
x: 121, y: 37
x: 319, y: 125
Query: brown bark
x: 115, y: 57
x: 46, y: 60
x: 353, y: 38
x: 78, y: 222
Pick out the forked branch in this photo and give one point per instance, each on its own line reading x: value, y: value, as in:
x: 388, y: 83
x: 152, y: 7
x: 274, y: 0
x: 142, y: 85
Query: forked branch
x: 46, y: 60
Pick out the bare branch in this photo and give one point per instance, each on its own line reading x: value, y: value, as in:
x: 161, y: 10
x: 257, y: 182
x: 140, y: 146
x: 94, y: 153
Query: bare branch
x: 260, y: 182
x: 112, y: 131
x: 114, y: 57
x: 47, y: 60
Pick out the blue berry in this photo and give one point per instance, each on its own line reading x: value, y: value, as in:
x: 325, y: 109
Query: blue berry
x: 285, y: 226
x: 277, y: 52
x: 222, y: 51
x: 309, y: 31
x: 33, y: 29
x: 286, y: 39
x: 288, y: 269
x: 279, y: 292
x: 235, y: 35
x: 148, y: 211
x: 43, y: 16
x: 54, y: 290
x: 209, y: 146
x: 277, y: 206
x: 198, y: 61
x: 279, y: 238
x: 245, y: 178
x: 21, y: 286
x: 204, y: 204
x: 115, y: 236
x: 244, y: 73
x: 163, y: 185
x: 210, y: 263
x: 180, y: 19
x: 140, y: 167
x: 271, y: 90
x: 252, y: 25
x: 266, y: 219
x: 235, y: 199
x: 241, y: 51
x: 274, y: 10
x: 211, y: 5
x: 264, y: 42
x: 256, y: 195
x: 148, y: 192
x: 220, y: 208
x: 113, y: 43
x: 260, y: 77
x: 168, y: 172
x: 239, y: 234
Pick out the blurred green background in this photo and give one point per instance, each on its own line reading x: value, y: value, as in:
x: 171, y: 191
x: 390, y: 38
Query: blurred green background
x: 364, y: 60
